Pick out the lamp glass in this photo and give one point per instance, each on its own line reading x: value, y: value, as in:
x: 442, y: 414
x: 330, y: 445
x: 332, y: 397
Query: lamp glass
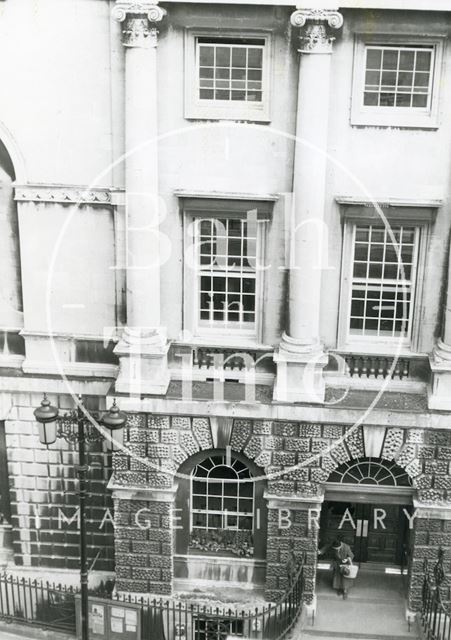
x: 117, y: 438
x: 47, y: 432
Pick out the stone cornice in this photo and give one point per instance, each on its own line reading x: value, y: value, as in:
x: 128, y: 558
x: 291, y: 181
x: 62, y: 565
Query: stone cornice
x: 314, y: 23
x: 66, y: 194
x: 389, y: 5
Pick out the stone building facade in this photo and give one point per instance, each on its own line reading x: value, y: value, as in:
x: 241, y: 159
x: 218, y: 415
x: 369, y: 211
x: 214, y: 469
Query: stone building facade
x: 168, y: 144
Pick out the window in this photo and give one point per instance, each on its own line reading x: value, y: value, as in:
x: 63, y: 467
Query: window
x: 227, y: 77
x: 398, y: 77
x: 230, y: 70
x: 383, y: 281
x: 227, y: 253
x: 224, y: 269
x: 217, y: 628
x: 396, y: 83
x: 221, y: 497
x: 383, y: 276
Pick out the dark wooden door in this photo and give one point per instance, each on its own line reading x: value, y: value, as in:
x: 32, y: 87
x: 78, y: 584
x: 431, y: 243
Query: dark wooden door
x: 376, y: 533
x: 385, y: 535
x: 380, y: 533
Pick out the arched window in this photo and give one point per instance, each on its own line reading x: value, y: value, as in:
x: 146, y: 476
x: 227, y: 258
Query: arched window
x: 222, y: 495
x: 373, y: 471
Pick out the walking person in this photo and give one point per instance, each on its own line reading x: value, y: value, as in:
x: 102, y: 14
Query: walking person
x: 341, y: 561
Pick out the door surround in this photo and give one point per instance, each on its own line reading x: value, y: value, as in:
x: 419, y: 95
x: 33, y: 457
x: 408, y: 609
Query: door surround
x: 369, y: 494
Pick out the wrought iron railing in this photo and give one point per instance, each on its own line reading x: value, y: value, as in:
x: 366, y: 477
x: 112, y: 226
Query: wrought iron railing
x: 53, y: 606
x: 162, y: 619
x: 36, y: 602
x: 436, y: 602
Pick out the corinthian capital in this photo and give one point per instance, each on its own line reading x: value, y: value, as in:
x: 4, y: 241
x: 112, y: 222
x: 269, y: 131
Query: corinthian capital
x: 139, y: 18
x: 316, y: 24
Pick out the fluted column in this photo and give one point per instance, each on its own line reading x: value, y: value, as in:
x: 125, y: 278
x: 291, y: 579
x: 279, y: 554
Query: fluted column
x: 440, y: 359
x: 301, y: 358
x: 143, y: 348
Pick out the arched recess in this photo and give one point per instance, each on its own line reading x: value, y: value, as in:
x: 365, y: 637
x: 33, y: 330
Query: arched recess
x: 370, y: 480
x: 371, y: 471
x: 211, y: 461
x: 11, y: 148
x: 11, y: 303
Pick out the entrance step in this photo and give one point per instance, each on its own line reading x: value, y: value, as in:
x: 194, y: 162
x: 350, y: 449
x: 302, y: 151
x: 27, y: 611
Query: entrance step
x: 380, y: 567
x: 312, y: 634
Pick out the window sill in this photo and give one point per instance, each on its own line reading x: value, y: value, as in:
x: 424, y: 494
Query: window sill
x: 229, y: 342
x: 381, y: 350
x: 221, y: 553
x: 232, y: 112
x: 393, y: 120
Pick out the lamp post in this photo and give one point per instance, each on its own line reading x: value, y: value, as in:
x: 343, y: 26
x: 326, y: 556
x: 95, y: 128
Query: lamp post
x: 76, y: 427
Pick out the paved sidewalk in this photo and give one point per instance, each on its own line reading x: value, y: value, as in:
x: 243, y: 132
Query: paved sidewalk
x: 24, y: 632
x: 375, y: 609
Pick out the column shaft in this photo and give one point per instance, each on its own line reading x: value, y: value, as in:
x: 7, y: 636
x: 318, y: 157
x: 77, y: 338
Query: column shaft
x: 143, y: 348
x: 300, y: 359
x: 309, y: 185
x: 447, y: 318
x: 141, y: 132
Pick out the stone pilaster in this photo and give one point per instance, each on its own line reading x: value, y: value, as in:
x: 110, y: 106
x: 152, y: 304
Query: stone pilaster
x: 293, y: 527
x: 301, y: 358
x: 432, y: 531
x: 143, y: 348
x: 143, y: 540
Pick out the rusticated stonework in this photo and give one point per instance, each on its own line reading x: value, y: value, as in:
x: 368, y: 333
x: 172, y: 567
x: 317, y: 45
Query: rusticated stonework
x: 296, y: 458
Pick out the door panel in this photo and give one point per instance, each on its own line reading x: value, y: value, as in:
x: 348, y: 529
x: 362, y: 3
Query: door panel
x: 375, y: 533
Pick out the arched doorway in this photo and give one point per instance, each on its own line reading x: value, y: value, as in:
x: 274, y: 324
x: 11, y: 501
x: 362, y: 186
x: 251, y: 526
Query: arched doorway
x: 368, y: 501
x: 222, y: 520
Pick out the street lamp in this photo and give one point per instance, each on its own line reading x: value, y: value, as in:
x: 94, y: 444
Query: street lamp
x: 76, y: 426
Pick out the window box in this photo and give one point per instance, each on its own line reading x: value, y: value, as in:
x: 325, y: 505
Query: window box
x: 227, y: 77
x: 396, y: 81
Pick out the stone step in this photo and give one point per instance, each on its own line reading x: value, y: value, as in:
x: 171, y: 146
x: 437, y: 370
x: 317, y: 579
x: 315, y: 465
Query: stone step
x: 312, y: 634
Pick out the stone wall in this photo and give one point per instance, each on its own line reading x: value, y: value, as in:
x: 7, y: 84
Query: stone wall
x: 44, y: 498
x: 430, y: 534
x: 143, y: 546
x: 297, y: 458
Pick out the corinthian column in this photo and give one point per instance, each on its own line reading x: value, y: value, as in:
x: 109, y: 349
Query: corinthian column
x: 301, y: 358
x: 440, y: 359
x: 143, y: 348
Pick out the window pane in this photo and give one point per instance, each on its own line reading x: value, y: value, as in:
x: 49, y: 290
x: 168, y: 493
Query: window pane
x: 423, y: 62
x: 419, y: 100
x: 406, y: 60
x: 206, y: 56
x: 371, y: 99
x: 255, y: 58
x: 239, y: 57
x: 390, y: 59
x: 222, y: 56
x: 372, y: 79
x: 373, y: 59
